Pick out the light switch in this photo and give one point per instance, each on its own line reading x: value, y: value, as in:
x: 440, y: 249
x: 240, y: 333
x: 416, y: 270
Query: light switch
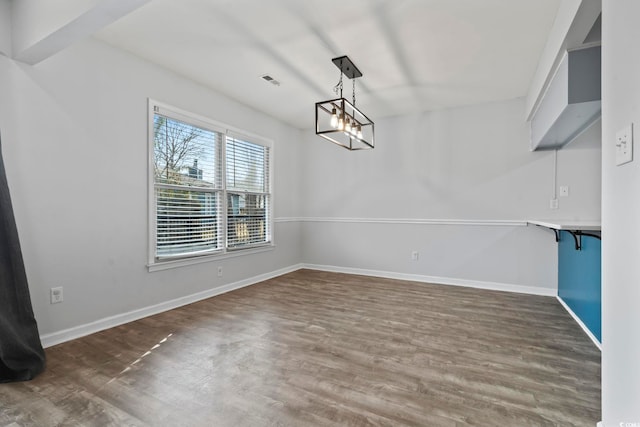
x: 624, y: 145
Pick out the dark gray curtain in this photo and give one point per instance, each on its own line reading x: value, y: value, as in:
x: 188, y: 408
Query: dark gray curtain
x: 21, y: 353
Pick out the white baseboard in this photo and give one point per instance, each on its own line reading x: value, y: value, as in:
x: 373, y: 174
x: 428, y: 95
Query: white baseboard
x: 495, y: 286
x: 581, y: 323
x: 54, y: 338
x: 58, y: 337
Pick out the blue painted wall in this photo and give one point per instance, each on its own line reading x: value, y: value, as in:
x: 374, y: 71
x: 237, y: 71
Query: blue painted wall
x: 579, y: 279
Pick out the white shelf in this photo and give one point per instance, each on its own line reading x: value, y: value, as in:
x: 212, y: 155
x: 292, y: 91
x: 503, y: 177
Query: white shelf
x: 560, y: 224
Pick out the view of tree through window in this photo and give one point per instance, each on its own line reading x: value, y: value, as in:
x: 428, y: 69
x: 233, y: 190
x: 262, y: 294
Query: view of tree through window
x: 190, y: 191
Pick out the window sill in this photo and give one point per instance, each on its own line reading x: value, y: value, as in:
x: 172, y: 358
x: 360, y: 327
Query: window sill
x: 168, y: 264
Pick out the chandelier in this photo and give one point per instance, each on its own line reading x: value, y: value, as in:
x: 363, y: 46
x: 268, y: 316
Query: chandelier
x: 338, y: 120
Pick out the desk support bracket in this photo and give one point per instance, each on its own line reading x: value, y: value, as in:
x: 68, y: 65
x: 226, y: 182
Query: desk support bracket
x: 577, y: 236
x: 575, y: 229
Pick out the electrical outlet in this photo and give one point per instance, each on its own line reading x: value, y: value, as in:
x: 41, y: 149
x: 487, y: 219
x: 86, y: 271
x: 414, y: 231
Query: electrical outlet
x: 553, y: 204
x: 564, y: 191
x: 414, y: 255
x: 219, y: 271
x: 56, y: 295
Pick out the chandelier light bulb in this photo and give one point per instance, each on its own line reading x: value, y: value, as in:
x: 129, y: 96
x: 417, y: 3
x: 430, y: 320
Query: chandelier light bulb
x: 341, y: 123
x: 347, y: 127
x: 334, y: 118
x: 359, y: 132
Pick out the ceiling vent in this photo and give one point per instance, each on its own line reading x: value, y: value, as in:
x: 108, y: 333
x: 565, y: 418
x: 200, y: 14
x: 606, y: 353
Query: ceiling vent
x: 572, y: 102
x: 270, y: 79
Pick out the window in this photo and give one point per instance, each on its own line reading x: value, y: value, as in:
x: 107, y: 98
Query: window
x: 211, y: 187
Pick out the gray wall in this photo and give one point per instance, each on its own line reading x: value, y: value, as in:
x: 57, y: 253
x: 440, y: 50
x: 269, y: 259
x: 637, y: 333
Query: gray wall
x: 455, y: 185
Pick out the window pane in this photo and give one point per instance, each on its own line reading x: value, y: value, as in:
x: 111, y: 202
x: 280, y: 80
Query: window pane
x: 185, y: 154
x: 247, y: 166
x: 247, y: 219
x: 186, y: 222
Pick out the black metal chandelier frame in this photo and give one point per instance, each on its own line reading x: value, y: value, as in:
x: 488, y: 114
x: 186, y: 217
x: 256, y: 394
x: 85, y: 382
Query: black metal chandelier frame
x: 339, y: 120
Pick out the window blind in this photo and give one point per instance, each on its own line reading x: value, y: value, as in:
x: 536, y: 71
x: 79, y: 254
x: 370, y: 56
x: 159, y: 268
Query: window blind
x: 248, y: 197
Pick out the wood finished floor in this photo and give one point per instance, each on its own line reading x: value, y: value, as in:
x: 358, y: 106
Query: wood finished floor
x: 324, y: 349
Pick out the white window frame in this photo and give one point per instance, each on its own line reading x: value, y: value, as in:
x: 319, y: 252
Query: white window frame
x: 155, y: 263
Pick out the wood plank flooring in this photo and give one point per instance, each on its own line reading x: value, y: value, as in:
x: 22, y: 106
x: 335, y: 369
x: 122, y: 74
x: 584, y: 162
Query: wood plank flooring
x: 314, y: 348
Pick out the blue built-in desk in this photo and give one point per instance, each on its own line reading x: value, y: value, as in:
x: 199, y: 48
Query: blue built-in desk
x: 579, y: 270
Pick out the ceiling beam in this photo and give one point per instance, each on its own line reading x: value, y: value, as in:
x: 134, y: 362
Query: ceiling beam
x: 37, y: 37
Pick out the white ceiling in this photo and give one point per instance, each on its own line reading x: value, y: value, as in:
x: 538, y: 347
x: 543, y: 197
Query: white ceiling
x: 416, y: 55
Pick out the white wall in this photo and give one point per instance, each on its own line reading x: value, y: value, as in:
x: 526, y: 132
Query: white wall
x: 74, y: 134
x: 468, y: 164
x: 580, y: 168
x: 5, y: 28
x: 620, y: 217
